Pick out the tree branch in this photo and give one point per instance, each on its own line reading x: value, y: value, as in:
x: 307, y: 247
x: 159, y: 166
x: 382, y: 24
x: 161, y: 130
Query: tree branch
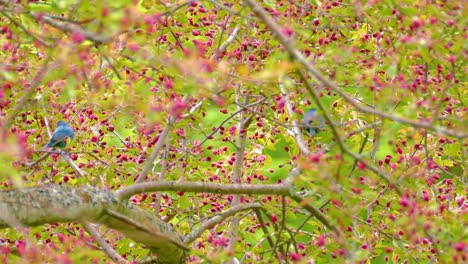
x: 71, y: 27
x: 202, y: 187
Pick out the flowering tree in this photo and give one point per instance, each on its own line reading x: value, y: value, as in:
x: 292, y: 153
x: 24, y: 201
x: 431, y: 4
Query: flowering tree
x: 188, y: 140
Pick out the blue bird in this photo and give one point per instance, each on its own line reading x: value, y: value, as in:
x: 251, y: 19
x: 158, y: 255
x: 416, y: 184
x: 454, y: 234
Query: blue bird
x: 312, y: 122
x: 60, y: 136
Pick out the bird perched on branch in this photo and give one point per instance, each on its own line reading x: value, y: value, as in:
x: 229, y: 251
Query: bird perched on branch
x: 312, y: 122
x: 60, y: 136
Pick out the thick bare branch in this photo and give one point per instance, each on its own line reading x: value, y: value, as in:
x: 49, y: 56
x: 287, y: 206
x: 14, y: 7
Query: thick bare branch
x: 50, y: 204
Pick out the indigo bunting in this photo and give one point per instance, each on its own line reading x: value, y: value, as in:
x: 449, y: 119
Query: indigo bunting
x: 312, y: 122
x: 60, y: 136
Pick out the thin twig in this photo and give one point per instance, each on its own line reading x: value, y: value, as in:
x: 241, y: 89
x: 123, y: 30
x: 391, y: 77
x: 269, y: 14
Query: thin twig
x: 154, y: 154
x: 319, y: 104
x: 222, y: 7
x: 224, y: 122
x: 65, y: 156
x: 282, y: 226
x: 42, y: 42
x: 218, y: 219
x: 316, y: 213
x: 117, y: 73
x: 162, y: 173
x: 47, y: 153
x: 228, y: 41
x: 295, y: 126
x: 258, y: 212
x: 360, y: 151
x: 71, y: 27
x: 23, y: 100
x: 175, y: 9
x: 102, y: 242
